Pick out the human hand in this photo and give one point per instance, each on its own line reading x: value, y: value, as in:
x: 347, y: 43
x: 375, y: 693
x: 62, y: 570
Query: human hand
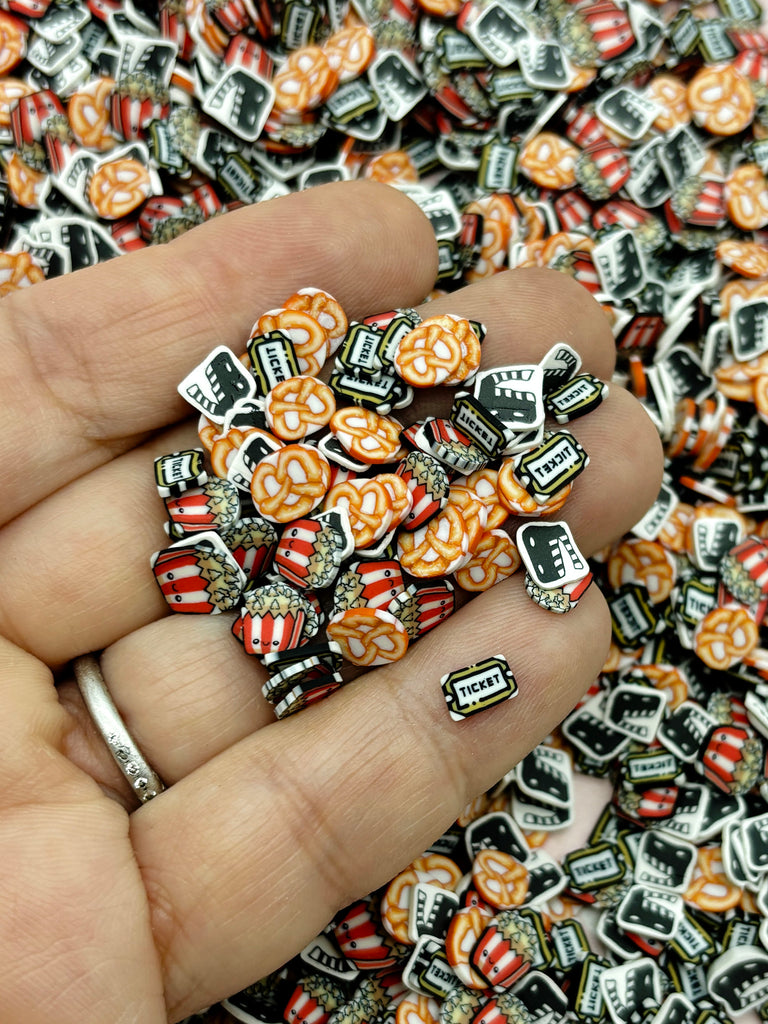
x: 267, y: 828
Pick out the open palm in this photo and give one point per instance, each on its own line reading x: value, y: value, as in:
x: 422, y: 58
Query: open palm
x: 114, y: 914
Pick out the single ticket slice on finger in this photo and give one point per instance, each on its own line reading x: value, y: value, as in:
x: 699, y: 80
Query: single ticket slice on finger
x: 478, y: 687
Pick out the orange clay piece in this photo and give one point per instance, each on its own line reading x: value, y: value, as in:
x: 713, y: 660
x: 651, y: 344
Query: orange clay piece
x: 670, y: 93
x: 721, y: 100
x: 390, y: 167
x: 402, y: 501
x: 308, y: 336
x: 483, y: 483
x: 432, y: 868
x: 746, y: 197
x: 669, y: 680
x: 495, y: 559
x: 24, y: 182
x: 518, y: 501
x: 366, y: 435
x: 90, y: 117
x: 549, y: 160
x: 118, y: 187
x: 417, y: 1009
x: 11, y: 90
x: 290, y: 483
x: 473, y: 511
x: 741, y: 289
x: 18, y: 270
x: 724, y: 637
x: 749, y: 259
x: 437, y: 548
x: 710, y: 889
x: 350, y: 51
x: 368, y: 503
x: 500, y: 220
x: 500, y: 879
x: 466, y: 927
x: 441, y: 350
x: 13, y: 42
x: 304, y: 81
x: 645, y: 562
x: 299, y: 406
x: 368, y: 636
x: 323, y: 308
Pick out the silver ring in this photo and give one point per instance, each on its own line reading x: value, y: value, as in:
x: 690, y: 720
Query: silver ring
x: 143, y: 780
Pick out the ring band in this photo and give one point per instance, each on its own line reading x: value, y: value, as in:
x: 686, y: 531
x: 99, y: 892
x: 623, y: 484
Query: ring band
x: 143, y: 780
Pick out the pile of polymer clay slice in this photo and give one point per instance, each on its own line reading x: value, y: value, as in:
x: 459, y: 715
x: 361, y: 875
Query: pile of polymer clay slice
x: 624, y: 144
x: 339, y: 534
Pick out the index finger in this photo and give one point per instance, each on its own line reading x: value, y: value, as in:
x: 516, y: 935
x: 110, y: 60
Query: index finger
x: 95, y: 356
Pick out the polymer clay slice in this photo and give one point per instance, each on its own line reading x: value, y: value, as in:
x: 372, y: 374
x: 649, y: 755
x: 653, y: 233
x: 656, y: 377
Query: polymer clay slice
x: 198, y: 575
x: 298, y: 407
x: 213, y: 506
x: 577, y: 397
x: 550, y: 555
x: 366, y: 435
x: 478, y: 687
x: 547, y: 469
x: 274, y: 617
x: 368, y: 636
x: 290, y: 482
x: 307, y: 553
x: 441, y: 350
x: 179, y: 471
x: 428, y: 482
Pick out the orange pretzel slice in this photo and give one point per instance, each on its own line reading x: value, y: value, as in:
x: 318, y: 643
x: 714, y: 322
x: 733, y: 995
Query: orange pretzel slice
x: 724, y: 637
x: 89, y: 113
x: 118, y: 187
x: 350, y: 50
x: 496, y: 557
x: 24, y: 182
x: 368, y: 503
x: 368, y: 636
x: 366, y: 435
x: 13, y: 42
x: 396, y: 165
x: 435, y: 351
x: 402, y: 499
x: 514, y: 497
x: 721, y: 100
x: 549, y: 160
x: 414, y: 1008
x: 432, y: 868
x: 436, y: 549
x: 711, y: 889
x: 11, y: 89
x: 669, y: 93
x: 484, y: 483
x: 466, y: 927
x: 321, y: 306
x: 305, y: 81
x: 747, y: 258
x: 645, y: 562
x: 746, y: 197
x: 18, y: 270
x: 500, y: 879
x: 299, y: 406
x: 290, y: 482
